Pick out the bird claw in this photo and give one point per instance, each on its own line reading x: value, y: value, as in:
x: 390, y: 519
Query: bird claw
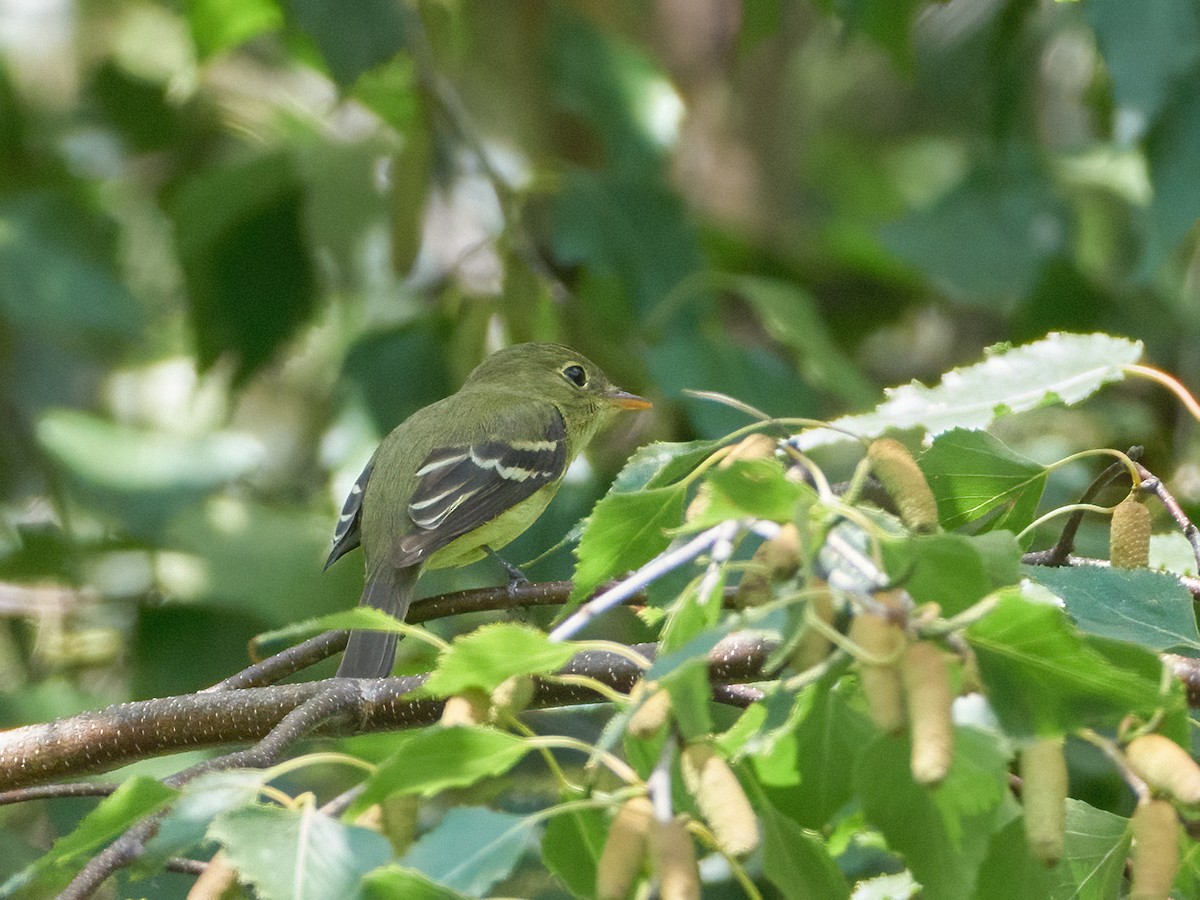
x: 516, y: 578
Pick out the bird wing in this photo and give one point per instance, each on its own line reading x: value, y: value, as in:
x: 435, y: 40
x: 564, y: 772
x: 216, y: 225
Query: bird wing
x: 460, y: 488
x: 348, y: 533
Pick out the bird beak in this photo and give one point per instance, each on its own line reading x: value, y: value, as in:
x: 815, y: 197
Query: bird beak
x: 626, y: 400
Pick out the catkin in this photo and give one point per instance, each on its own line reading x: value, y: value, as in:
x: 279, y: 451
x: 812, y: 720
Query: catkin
x: 1129, y: 534
x: 652, y: 714
x: 720, y: 797
x: 673, y: 857
x: 624, y: 850
x: 883, y: 640
x: 1155, y: 850
x: 752, y: 446
x: 774, y: 560
x: 929, y: 698
x: 904, y: 481
x: 1165, y: 766
x: 813, y: 645
x: 513, y: 694
x: 1044, y: 798
x: 472, y: 707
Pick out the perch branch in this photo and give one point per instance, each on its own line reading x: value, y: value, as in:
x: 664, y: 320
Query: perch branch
x: 112, y: 737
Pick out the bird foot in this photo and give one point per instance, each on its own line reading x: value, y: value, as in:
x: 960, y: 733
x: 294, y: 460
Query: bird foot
x: 516, y: 578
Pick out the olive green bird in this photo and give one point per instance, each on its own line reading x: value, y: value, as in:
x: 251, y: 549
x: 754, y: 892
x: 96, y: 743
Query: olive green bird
x: 465, y: 475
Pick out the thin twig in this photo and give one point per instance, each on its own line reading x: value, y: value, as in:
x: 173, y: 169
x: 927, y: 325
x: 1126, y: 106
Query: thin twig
x: 455, y: 114
x: 296, y: 724
x: 665, y: 562
x: 488, y: 599
x: 1152, y: 484
x: 56, y: 791
x: 1057, y: 555
x: 186, y: 866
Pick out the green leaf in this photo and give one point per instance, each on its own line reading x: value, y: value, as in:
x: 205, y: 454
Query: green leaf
x: 750, y: 487
x: 953, y: 570
x: 1060, y: 368
x: 432, y: 760
x: 629, y: 226
x: 394, y: 883
x: 258, y: 563
x: 695, y: 353
x: 943, y: 833
x: 1092, y: 866
x: 1148, y: 50
x: 55, y: 251
x: 220, y: 25
x: 200, y: 801
x: 1172, y: 153
x: 1172, y: 552
x: 137, y: 797
x: 887, y: 22
x: 681, y: 666
x: 145, y: 476
x: 240, y: 237
x: 1150, y: 609
x: 623, y: 532
x: 796, y: 860
x: 990, y: 236
x: 363, y: 617
x: 661, y: 463
x: 352, y: 41
x: 488, y: 655
x: 792, y: 317
x: 571, y: 848
x: 299, y: 854
x: 1042, y: 679
x: 473, y: 848
x: 415, y: 354
x: 806, y: 773
x: 390, y: 91
x: 616, y: 87
x: 971, y: 473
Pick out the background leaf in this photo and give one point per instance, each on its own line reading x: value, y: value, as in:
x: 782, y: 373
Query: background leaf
x: 1150, y: 609
x: 298, y: 854
x: 472, y: 848
x: 1091, y: 868
x: 1043, y: 679
x: 944, y: 832
x: 351, y: 44
x: 1061, y: 368
x: 972, y: 473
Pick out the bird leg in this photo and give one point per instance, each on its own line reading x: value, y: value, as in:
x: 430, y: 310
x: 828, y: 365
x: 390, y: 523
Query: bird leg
x: 516, y: 577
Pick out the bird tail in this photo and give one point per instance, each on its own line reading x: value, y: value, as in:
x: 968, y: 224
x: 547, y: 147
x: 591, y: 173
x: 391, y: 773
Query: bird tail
x: 370, y: 654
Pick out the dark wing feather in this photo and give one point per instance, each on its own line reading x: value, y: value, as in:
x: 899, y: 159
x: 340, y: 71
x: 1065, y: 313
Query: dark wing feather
x: 461, y: 488
x: 347, y: 535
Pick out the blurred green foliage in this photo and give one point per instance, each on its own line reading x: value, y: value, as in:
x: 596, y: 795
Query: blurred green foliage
x: 241, y: 240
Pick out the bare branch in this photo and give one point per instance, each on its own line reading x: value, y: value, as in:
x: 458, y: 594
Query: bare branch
x: 112, y: 737
x: 1152, y: 484
x: 56, y: 791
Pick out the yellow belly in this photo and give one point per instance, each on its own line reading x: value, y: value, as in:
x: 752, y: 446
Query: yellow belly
x: 494, y: 534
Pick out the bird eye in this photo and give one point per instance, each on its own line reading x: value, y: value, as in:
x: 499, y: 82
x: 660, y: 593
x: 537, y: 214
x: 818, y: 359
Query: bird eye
x: 575, y: 375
